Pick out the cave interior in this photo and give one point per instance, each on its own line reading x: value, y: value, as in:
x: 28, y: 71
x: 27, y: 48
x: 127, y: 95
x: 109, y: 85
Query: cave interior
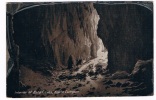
x: 74, y: 38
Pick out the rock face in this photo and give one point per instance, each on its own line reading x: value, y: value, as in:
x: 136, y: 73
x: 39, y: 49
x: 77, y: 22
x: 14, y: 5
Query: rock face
x: 68, y: 33
x: 143, y: 71
x: 127, y: 32
x: 60, y: 33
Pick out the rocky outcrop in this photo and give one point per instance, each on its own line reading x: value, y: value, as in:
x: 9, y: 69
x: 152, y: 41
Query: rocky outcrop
x: 60, y: 33
x: 143, y: 71
x: 127, y: 32
x: 142, y: 74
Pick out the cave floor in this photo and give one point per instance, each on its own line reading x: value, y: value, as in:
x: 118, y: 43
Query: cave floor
x: 38, y: 85
x: 76, y: 83
x: 91, y: 79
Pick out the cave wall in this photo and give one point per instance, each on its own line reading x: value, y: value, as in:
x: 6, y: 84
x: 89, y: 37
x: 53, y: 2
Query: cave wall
x: 127, y: 32
x: 64, y: 30
x: 56, y: 32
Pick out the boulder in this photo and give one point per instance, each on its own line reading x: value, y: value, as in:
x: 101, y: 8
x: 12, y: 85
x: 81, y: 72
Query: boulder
x: 120, y: 75
x: 80, y: 76
x: 143, y: 71
x: 109, y: 82
x: 99, y: 68
x: 125, y: 84
x: 118, y: 84
x: 91, y: 73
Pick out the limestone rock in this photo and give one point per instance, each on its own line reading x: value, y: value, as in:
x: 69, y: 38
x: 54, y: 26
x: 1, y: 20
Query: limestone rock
x: 63, y: 34
x: 143, y: 70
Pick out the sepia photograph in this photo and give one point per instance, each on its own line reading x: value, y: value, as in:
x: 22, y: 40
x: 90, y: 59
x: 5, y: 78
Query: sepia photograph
x: 79, y: 49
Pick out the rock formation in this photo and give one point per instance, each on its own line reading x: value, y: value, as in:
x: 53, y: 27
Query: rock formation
x: 127, y: 32
x: 57, y: 32
x: 64, y: 30
x: 143, y: 71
